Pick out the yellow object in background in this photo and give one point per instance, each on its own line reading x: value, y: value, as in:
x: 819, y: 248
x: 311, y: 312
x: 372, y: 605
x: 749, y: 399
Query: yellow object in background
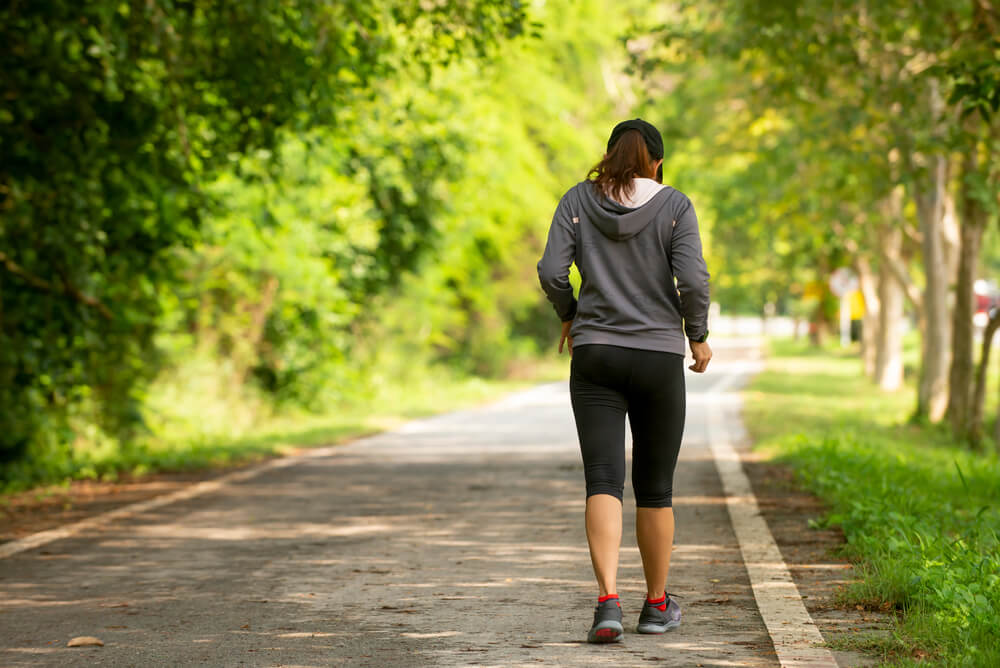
x: 814, y: 290
x: 857, y: 305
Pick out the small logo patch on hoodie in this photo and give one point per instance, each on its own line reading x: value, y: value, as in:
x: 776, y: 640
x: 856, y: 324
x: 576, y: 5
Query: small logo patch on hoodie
x: 575, y: 220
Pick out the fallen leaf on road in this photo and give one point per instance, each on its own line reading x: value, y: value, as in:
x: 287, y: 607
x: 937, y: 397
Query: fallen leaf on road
x: 389, y: 608
x: 85, y: 641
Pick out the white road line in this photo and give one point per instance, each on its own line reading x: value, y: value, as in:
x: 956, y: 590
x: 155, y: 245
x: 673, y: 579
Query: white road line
x: 42, y: 537
x: 796, y: 639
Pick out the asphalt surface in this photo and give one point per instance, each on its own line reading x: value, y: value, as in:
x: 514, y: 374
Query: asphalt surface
x: 456, y: 540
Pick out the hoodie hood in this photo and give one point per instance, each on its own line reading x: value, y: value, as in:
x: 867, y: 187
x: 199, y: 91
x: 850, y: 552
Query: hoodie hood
x: 617, y: 221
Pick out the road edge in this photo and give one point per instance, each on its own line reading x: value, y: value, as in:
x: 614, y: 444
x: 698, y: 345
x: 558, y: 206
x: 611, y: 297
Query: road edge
x: 797, y: 639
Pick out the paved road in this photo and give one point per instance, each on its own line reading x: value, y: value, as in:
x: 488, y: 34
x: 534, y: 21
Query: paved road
x: 457, y: 540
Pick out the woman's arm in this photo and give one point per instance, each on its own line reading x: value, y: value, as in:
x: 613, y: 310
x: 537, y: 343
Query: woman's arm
x: 553, y: 268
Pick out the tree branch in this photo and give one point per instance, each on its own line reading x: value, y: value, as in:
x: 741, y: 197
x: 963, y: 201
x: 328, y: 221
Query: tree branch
x: 30, y: 278
x: 979, y: 394
x: 93, y: 302
x: 851, y: 245
x: 42, y: 284
x: 913, y: 234
x: 901, y: 274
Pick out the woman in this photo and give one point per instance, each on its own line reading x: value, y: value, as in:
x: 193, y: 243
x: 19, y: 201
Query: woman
x: 631, y: 238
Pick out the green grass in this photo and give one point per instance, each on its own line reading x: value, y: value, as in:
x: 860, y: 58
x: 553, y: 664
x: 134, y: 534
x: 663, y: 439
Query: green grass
x: 196, y: 424
x: 920, y: 514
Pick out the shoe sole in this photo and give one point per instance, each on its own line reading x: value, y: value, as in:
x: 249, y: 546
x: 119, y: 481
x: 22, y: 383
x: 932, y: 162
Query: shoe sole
x: 606, y: 632
x: 657, y: 628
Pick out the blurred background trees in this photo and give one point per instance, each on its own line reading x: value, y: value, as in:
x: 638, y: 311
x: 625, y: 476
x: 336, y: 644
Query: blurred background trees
x: 216, y: 212
x: 117, y: 119
x: 870, y: 134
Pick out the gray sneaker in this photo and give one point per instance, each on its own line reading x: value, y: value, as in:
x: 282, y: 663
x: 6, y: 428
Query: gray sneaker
x: 607, y: 622
x: 654, y: 620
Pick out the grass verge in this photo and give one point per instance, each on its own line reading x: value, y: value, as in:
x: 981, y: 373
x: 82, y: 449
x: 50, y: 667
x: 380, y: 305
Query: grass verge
x: 921, y: 515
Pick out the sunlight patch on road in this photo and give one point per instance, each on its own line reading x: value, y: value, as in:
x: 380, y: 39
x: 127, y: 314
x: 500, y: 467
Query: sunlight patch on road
x: 699, y: 501
x: 38, y: 603
x: 286, y: 531
x: 32, y: 650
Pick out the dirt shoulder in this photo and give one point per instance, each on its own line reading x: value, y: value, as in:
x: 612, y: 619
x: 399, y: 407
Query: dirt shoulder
x: 814, y: 560
x: 43, y: 508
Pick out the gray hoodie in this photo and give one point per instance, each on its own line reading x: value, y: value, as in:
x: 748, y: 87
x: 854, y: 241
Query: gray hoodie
x: 629, y: 260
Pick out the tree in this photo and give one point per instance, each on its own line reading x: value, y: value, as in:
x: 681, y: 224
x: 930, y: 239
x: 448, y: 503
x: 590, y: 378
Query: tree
x: 973, y: 72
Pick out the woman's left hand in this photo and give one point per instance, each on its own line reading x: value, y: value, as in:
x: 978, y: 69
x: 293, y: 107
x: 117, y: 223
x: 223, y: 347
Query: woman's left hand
x: 566, y: 338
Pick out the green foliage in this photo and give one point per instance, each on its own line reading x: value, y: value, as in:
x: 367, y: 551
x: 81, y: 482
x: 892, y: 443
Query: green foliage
x: 116, y: 115
x: 973, y: 65
x: 920, y: 513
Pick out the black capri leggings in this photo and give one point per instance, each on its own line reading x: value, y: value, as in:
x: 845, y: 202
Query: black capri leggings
x: 605, y: 383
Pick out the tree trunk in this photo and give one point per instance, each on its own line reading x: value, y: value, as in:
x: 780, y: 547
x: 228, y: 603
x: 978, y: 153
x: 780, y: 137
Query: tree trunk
x: 979, y: 395
x: 889, y: 345
x: 932, y: 399
x: 895, y: 285
x: 870, y: 320
x: 996, y: 432
x: 960, y: 378
x: 246, y: 351
x: 961, y: 403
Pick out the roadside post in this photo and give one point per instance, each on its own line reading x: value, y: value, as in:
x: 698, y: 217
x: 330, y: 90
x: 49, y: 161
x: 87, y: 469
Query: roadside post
x: 842, y: 283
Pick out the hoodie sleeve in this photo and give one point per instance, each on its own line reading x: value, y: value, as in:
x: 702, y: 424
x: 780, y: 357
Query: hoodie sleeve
x: 553, y: 268
x: 690, y: 272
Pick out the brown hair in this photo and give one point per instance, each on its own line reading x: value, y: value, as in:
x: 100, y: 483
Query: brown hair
x: 628, y: 158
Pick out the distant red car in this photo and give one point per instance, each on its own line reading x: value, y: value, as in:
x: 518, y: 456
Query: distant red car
x: 987, y: 297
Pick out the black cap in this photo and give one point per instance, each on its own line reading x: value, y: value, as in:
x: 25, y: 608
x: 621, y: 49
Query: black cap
x: 654, y: 142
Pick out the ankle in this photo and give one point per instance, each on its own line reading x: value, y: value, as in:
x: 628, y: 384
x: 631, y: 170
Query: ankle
x: 657, y: 597
x: 607, y: 597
